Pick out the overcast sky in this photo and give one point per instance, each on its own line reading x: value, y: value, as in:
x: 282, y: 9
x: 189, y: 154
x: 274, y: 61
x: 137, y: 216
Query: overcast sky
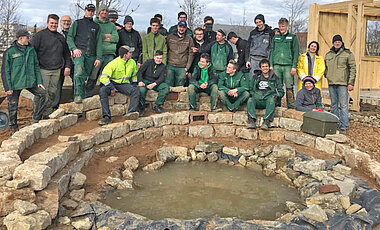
x: 223, y: 11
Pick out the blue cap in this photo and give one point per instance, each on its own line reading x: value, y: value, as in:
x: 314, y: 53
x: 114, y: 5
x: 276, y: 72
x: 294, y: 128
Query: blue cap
x: 182, y: 23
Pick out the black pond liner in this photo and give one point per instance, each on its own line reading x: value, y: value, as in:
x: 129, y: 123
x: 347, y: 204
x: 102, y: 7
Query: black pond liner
x: 104, y: 216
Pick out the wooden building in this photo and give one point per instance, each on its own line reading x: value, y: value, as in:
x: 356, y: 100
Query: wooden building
x: 350, y: 20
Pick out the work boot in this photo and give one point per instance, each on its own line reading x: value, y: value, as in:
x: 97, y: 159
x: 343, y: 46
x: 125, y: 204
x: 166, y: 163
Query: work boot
x: 290, y: 98
x: 78, y: 99
x: 251, y: 123
x: 265, y: 125
x: 158, y: 109
x: 131, y: 116
x: 141, y: 112
x: 105, y: 121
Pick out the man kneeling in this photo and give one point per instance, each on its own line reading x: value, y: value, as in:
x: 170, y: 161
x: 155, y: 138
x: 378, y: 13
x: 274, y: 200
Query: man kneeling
x: 203, y: 80
x: 265, y: 88
x: 152, y: 76
x: 233, y: 88
x: 116, y: 76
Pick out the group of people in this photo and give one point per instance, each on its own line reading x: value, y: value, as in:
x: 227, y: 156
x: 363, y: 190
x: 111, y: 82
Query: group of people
x: 91, y: 50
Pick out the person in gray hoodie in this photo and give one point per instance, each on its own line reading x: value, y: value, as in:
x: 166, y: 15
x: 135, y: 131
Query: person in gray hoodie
x: 309, y: 97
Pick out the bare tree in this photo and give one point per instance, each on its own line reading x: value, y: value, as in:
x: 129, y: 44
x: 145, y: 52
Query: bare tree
x: 372, y: 45
x: 194, y: 10
x: 9, y: 16
x: 296, y: 10
x: 119, y: 5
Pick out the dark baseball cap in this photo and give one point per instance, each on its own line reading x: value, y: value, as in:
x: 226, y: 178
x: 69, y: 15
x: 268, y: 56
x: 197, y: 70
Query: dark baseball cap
x: 21, y: 33
x: 90, y: 7
x: 222, y: 31
x: 182, y: 23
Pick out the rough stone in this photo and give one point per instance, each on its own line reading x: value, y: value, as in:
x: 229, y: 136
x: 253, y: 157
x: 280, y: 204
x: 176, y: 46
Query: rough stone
x: 362, y: 212
x: 212, y: 157
x: 179, y: 151
x: 181, y: 118
x: 69, y: 204
x: 165, y: 154
x: 325, y: 145
x: 308, y: 167
x: 72, y: 107
x: 153, y: 166
x: 125, y: 184
x: 141, y: 123
x: 8, y: 166
x: 345, y: 202
x: 152, y: 133
x: 224, y: 130
x: 91, y: 103
x: 101, y: 135
x: 347, y: 186
x: 174, y: 130
x: 339, y: 138
x: 57, y: 114
x: 201, y: 156
x: 68, y: 120
x: 283, y: 151
x: 325, y: 201
x: 344, y: 170
x: 233, y: 151
x: 15, y: 144
x: 77, y: 195
x: 86, y: 141
x: 67, y: 138
x: 111, y: 159
x: 64, y: 220
x: 25, y: 207
x: 217, y: 118
x: 240, y: 118
x: 355, y: 158
x: 131, y: 163
x: 243, y: 161
x: 118, y: 130
x: 293, y: 114
x: 113, y: 181
x: 120, y: 98
x: 117, y: 110
x: 17, y: 184
x: 151, y: 96
x: 340, y: 150
x: 316, y: 213
x: 290, y: 124
x: 134, y: 137
x: 127, y: 174
x: 183, y: 159
x: 162, y: 119
x: 320, y: 175
x: 205, y: 131
x: 246, y: 152
x: 82, y: 224
x: 263, y: 151
x: 247, y: 134
x: 209, y: 146
x: 271, y: 135
x: 38, y: 175
x: 183, y: 97
x: 300, y: 139
x: 77, y: 180
x: 353, y: 208
x: 193, y: 154
x: 94, y: 115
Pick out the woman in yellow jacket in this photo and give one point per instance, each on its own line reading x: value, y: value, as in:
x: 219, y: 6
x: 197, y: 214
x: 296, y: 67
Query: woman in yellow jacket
x: 311, y: 59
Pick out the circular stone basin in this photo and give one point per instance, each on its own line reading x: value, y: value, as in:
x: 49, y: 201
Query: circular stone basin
x: 204, y: 190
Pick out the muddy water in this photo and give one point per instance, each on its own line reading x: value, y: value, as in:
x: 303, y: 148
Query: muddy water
x: 204, y: 190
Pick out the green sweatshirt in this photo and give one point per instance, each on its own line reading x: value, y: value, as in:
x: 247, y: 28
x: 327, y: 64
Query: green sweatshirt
x: 284, y: 50
x: 227, y: 82
x: 108, y: 27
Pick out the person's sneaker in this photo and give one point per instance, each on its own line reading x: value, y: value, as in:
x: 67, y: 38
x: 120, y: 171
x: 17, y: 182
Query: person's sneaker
x: 78, y: 99
x: 105, y: 121
x: 265, y: 125
x: 158, y: 109
x: 131, y: 116
x: 141, y: 112
x: 251, y: 123
x: 14, y: 129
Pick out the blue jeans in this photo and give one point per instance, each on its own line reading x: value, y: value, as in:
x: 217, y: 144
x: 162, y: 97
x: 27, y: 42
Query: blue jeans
x: 339, y: 103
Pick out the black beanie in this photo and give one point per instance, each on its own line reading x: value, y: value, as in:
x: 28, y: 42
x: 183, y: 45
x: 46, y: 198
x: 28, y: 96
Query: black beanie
x: 260, y: 17
x: 128, y: 19
x: 337, y: 38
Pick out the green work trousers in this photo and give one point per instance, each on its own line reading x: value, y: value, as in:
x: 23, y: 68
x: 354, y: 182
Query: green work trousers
x: 287, y: 79
x: 231, y: 102
x: 175, y: 76
x: 269, y: 104
x: 82, y: 70
x: 162, y: 89
x: 50, y: 79
x: 211, y: 90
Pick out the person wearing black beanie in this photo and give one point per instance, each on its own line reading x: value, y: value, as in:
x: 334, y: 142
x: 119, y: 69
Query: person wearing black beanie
x: 260, y: 17
x: 340, y: 74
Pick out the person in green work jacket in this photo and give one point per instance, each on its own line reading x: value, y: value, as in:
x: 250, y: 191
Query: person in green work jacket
x: 110, y: 38
x: 233, y: 88
x: 265, y: 87
x: 203, y: 80
x: 154, y: 41
x: 118, y: 76
x: 85, y: 41
x: 284, y: 58
x: 151, y: 75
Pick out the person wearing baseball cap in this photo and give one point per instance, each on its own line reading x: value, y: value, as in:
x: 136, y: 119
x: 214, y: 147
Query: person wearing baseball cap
x: 180, y: 55
x: 113, y: 16
x: 182, y: 16
x: 85, y: 41
x: 117, y: 77
x: 20, y: 70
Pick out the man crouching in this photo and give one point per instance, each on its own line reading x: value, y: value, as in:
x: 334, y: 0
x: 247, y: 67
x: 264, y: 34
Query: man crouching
x: 116, y: 76
x: 265, y: 88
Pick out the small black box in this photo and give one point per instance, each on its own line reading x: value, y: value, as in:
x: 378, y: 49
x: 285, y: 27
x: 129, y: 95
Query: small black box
x: 320, y: 123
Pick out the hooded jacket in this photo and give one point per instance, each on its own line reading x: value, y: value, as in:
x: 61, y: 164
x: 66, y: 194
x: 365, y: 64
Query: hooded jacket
x: 85, y: 34
x: 307, y: 100
x: 274, y: 82
x: 162, y: 30
x: 196, y: 76
x: 132, y: 39
x: 227, y: 82
x: 20, y: 68
x: 108, y: 27
x: 220, y: 54
x: 259, y: 43
x: 303, y: 70
x: 151, y: 43
x: 119, y: 71
x: 284, y: 50
x: 241, y: 46
x: 340, y: 67
x: 180, y: 53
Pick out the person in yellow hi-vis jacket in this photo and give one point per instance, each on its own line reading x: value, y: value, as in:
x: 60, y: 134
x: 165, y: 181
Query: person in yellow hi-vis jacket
x: 311, y: 59
x: 118, y: 76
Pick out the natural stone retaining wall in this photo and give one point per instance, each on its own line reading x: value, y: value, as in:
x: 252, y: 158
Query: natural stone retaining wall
x: 45, y: 177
